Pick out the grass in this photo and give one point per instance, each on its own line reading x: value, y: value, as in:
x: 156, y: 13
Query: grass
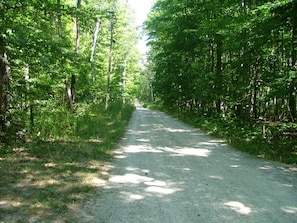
x: 48, y: 180
x: 274, y: 141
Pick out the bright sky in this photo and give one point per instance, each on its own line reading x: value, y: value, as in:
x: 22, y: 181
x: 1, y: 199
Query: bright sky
x: 142, y: 8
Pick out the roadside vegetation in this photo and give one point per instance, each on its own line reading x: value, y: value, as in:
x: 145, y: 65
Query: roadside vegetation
x: 270, y: 140
x: 274, y: 141
x: 68, y: 71
x: 46, y: 180
x: 228, y: 67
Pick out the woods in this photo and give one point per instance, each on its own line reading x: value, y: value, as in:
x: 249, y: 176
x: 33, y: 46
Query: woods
x: 232, y: 61
x: 226, y: 58
x: 55, y: 132
x: 229, y: 67
x: 54, y: 62
x: 70, y: 70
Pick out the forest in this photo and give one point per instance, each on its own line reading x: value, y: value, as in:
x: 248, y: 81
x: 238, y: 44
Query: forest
x: 70, y: 71
x: 68, y: 77
x: 227, y: 66
x: 228, y: 62
x: 232, y: 61
x: 59, y: 57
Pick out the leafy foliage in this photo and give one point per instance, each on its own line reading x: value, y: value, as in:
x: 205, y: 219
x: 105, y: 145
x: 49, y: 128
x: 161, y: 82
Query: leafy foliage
x: 226, y: 60
x: 48, y: 62
x: 48, y: 180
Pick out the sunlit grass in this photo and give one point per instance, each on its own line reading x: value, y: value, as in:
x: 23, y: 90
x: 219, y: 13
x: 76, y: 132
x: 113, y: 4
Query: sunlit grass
x: 47, y: 180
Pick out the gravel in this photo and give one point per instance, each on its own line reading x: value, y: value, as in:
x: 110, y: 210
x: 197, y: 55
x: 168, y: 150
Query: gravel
x: 167, y: 171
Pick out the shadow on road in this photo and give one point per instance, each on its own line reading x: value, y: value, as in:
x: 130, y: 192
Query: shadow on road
x: 166, y: 171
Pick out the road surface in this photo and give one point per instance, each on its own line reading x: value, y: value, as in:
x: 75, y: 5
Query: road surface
x: 165, y: 171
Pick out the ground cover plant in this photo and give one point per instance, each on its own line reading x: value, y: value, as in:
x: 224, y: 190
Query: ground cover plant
x: 275, y: 141
x: 47, y: 179
x: 228, y: 67
x: 270, y: 140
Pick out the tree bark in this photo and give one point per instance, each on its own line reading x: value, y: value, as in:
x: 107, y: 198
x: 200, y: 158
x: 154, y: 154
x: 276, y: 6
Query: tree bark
x: 219, y: 78
x: 73, y: 84
x: 69, y: 95
x: 4, y: 87
x: 71, y: 89
x: 97, y: 29
x: 77, y: 28
x: 255, y: 95
x: 109, y: 61
x: 59, y: 18
x: 293, y: 82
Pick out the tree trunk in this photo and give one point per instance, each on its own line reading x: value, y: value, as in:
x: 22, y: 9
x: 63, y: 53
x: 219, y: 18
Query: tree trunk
x: 73, y: 84
x: 109, y: 61
x: 255, y: 95
x: 219, y: 78
x: 69, y: 95
x: 4, y: 88
x: 59, y: 18
x: 71, y: 89
x: 77, y: 28
x: 293, y: 87
x: 97, y: 29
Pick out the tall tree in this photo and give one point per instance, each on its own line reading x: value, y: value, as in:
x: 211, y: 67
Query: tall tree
x: 4, y: 87
x: 226, y: 57
x: 293, y: 82
x: 39, y: 50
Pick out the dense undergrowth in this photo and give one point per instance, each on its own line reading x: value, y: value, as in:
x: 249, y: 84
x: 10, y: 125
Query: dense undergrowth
x: 45, y: 178
x: 270, y: 140
x: 275, y: 141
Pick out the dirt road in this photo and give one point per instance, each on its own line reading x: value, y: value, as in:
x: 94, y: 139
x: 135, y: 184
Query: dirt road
x: 166, y: 171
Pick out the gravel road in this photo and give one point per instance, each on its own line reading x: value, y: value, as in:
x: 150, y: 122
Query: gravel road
x: 165, y: 171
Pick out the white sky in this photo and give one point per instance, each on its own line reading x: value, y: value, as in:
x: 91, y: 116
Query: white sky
x: 142, y: 8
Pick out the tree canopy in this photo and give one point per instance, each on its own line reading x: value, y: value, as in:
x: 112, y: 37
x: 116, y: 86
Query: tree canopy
x: 226, y: 58
x: 54, y: 59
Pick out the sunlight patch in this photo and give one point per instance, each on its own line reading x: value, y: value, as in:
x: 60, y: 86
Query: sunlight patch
x: 238, y: 207
x: 130, y: 178
x: 216, y: 177
x: 193, y: 152
x: 136, y: 197
x: 186, y: 169
x: 120, y: 157
x: 142, y: 140
x: 98, y: 181
x: 288, y: 185
x: 95, y: 140
x: 176, y: 130
x: 132, y: 169
x: 9, y: 204
x: 160, y: 190
x: 140, y: 149
x: 213, y: 143
x: 290, y: 210
x: 46, y: 182
x: 156, y: 183
x: 266, y: 167
x: 50, y: 164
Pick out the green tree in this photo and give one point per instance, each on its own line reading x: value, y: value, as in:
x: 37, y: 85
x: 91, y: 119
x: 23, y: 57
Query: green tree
x: 226, y: 58
x: 45, y: 63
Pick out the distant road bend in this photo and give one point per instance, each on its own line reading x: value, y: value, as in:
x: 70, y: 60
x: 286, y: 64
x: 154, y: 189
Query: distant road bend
x: 165, y: 171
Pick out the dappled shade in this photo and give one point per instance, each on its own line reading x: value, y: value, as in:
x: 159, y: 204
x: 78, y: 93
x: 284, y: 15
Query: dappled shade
x: 166, y: 171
